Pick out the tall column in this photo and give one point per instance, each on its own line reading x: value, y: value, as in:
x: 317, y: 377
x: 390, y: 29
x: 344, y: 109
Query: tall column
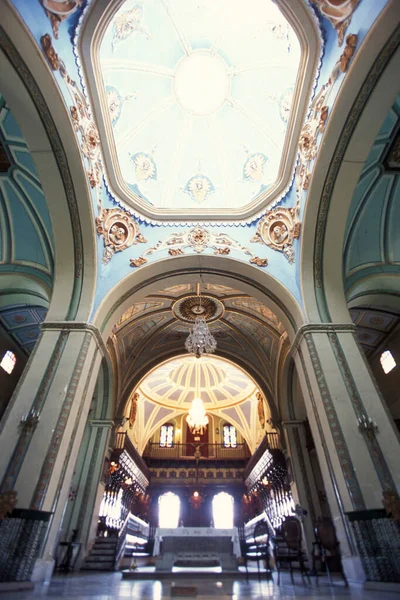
x: 42, y: 429
x: 303, y: 487
x: 339, y: 393
x: 85, y: 483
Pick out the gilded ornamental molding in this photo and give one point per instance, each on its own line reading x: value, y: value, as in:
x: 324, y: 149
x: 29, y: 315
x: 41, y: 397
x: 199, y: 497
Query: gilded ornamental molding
x: 119, y: 230
x: 277, y: 229
x: 198, y: 240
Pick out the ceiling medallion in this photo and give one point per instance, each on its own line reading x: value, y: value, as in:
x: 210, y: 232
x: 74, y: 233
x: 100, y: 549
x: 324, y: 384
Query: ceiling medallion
x: 187, y: 309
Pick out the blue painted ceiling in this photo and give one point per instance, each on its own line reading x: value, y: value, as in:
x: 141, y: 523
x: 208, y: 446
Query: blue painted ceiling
x: 198, y: 103
x: 372, y: 238
x: 22, y: 323
x: 26, y: 238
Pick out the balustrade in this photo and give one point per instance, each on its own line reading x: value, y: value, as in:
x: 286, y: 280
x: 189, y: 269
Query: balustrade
x: 188, y: 451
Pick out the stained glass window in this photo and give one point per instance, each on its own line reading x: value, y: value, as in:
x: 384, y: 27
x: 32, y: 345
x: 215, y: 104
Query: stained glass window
x: 387, y: 361
x: 8, y: 361
x: 230, y: 439
x: 166, y: 436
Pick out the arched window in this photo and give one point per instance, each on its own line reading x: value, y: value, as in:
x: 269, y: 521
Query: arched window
x: 222, y: 507
x: 8, y: 361
x: 387, y: 361
x: 167, y: 436
x: 169, y: 506
x: 230, y: 438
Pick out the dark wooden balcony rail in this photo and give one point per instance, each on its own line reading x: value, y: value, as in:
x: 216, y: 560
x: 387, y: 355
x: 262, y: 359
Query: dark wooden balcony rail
x: 122, y: 442
x: 187, y: 451
x: 269, y: 442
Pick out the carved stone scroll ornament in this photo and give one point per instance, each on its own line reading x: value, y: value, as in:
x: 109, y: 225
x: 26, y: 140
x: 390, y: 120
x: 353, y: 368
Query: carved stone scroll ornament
x: 277, y: 229
x: 199, y: 240
x: 119, y: 229
x: 339, y: 13
x: 314, y: 127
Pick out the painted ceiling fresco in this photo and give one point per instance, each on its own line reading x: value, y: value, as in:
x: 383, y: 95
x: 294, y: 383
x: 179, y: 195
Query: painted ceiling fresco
x: 198, y: 103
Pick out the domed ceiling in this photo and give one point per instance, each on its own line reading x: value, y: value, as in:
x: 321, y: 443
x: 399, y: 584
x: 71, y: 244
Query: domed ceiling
x: 217, y: 382
x: 197, y: 101
x: 226, y: 391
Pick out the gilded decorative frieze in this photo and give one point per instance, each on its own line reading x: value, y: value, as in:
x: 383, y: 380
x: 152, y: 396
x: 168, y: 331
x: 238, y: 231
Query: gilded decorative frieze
x: 119, y: 229
x: 339, y: 13
x: 315, y: 124
x: 80, y: 115
x: 199, y: 240
x: 277, y: 229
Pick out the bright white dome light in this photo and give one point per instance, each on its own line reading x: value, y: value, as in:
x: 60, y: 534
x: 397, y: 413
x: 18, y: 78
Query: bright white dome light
x: 201, y: 83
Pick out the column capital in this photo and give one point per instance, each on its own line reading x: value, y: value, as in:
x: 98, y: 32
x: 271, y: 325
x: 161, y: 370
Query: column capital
x: 319, y: 328
x: 71, y: 326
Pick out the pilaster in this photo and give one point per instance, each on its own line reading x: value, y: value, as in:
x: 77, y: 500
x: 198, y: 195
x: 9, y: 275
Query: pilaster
x: 357, y: 464
x: 43, y: 426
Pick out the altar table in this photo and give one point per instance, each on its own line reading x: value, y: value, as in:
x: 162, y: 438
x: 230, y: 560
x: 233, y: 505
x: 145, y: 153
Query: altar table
x: 196, y: 546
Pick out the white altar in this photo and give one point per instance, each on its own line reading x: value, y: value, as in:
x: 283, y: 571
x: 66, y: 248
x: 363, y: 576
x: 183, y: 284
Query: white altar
x: 196, y: 532
x: 196, y: 545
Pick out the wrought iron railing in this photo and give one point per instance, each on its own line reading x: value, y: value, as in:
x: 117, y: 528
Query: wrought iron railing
x: 191, y: 451
x: 21, y: 539
x: 378, y: 543
x: 269, y: 442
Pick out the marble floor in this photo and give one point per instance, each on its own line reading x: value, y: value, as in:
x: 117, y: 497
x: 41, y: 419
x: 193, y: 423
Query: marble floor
x: 110, y: 586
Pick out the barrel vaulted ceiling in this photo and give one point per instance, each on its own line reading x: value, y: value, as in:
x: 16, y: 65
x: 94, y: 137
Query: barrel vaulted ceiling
x: 149, y: 332
x: 26, y: 239
x: 372, y: 239
x: 371, y: 254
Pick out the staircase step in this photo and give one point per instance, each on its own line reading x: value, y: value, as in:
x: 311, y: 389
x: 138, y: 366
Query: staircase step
x: 102, y: 551
x: 96, y: 566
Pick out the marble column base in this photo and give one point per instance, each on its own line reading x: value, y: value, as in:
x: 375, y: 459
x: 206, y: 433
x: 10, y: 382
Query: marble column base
x: 43, y: 570
x: 353, y: 569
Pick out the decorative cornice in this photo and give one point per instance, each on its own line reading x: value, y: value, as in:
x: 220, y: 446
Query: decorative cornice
x: 77, y: 326
x: 319, y: 328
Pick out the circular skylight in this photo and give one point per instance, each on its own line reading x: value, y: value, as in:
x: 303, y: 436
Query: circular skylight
x: 201, y: 83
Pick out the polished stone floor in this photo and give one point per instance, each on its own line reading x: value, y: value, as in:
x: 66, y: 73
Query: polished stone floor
x: 110, y: 586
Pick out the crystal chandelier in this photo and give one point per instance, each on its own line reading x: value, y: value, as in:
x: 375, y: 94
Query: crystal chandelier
x: 197, y: 418
x: 200, y: 339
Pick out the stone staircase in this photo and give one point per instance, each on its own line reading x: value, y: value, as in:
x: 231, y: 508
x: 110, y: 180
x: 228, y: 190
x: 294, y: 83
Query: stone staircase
x: 102, y: 555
